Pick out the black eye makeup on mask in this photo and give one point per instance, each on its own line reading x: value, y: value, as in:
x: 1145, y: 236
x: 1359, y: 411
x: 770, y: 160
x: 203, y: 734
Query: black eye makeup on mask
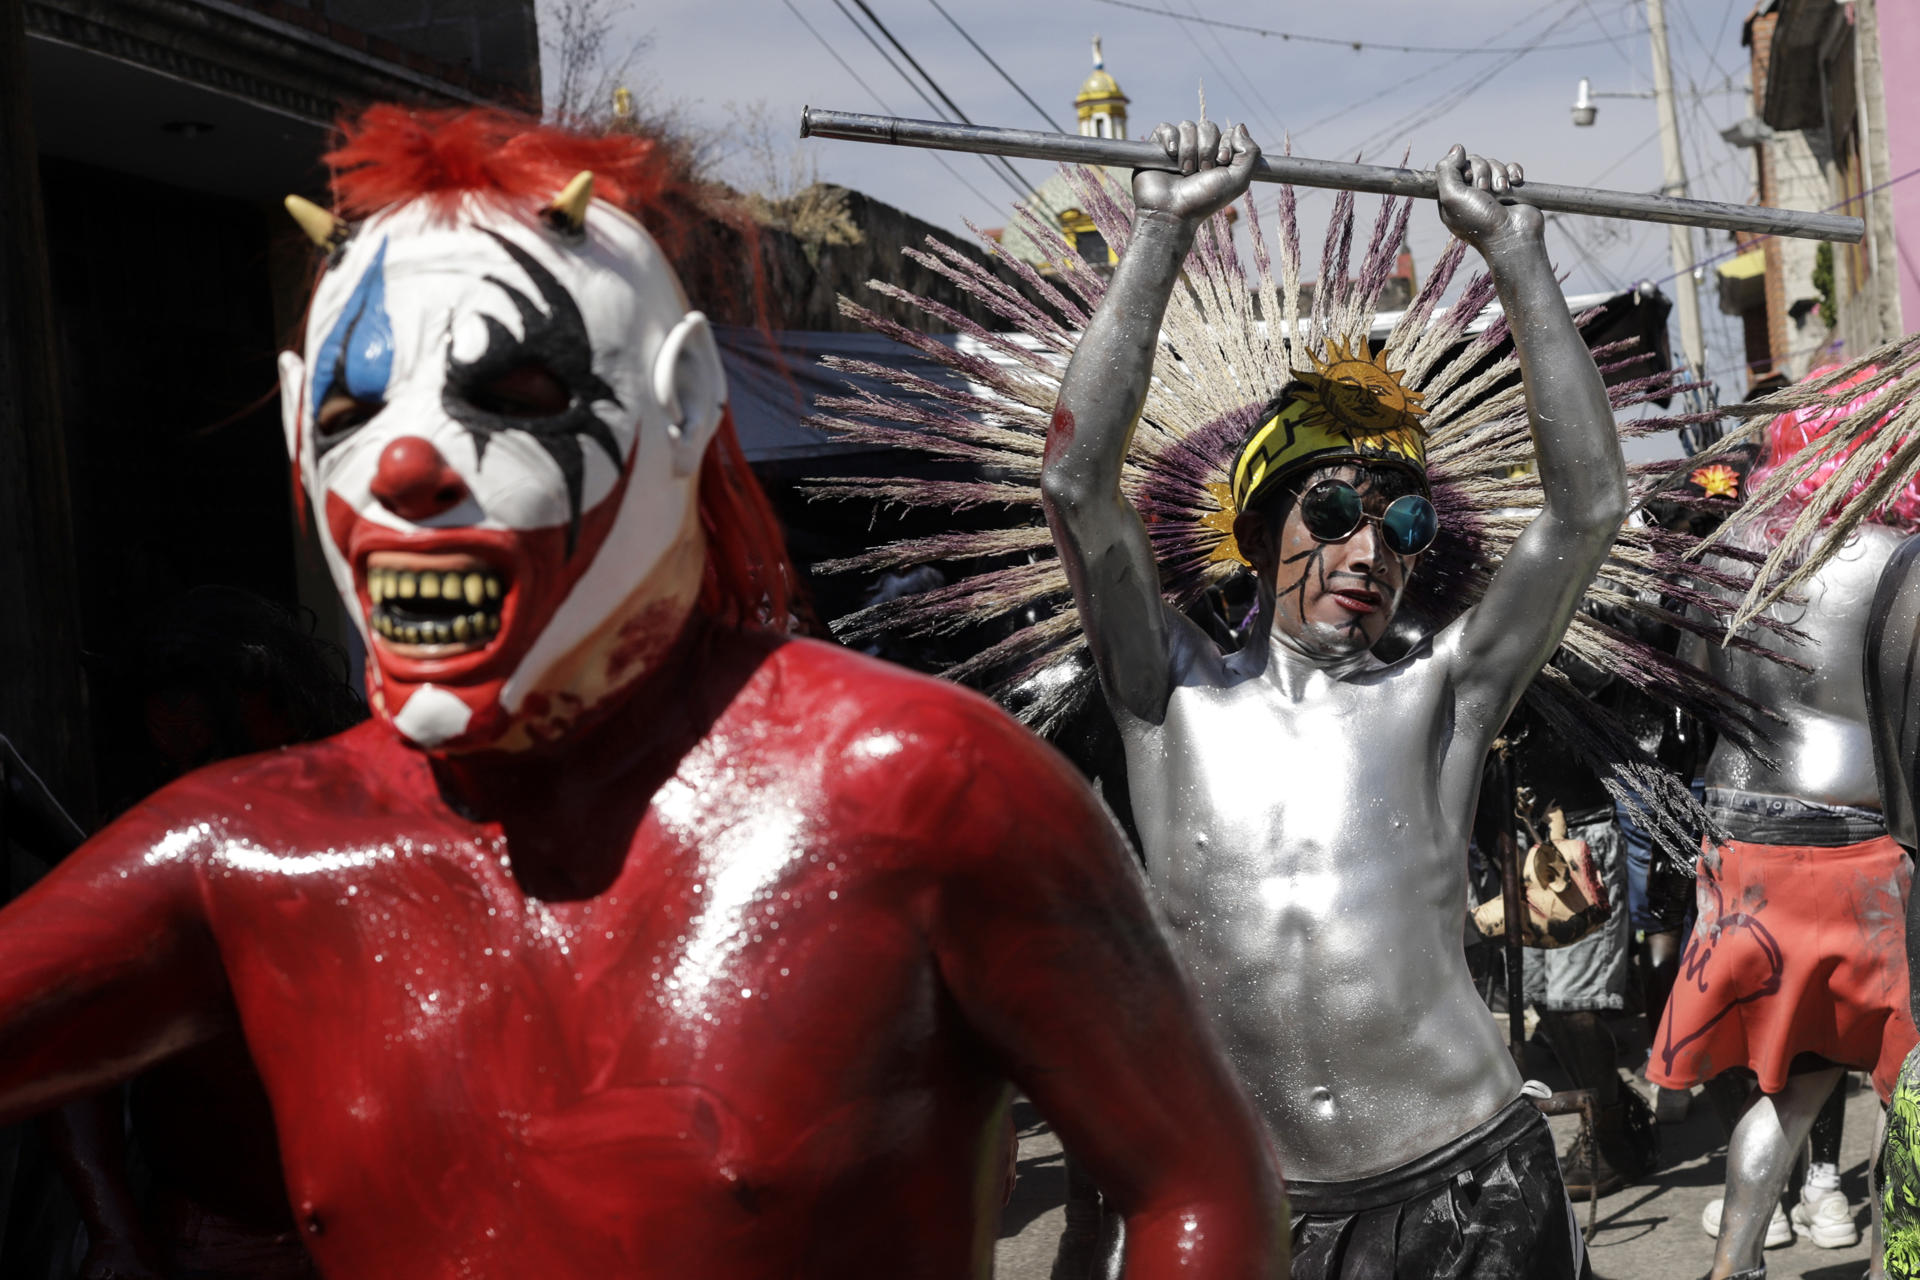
x: 541, y: 383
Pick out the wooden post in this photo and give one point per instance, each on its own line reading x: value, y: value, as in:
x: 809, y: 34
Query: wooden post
x: 42, y: 693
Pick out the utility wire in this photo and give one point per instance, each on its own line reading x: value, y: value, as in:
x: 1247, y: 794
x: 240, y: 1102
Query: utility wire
x: 933, y: 84
x: 1214, y: 35
x: 1058, y: 128
x: 1454, y: 97
x: 834, y: 53
x: 1356, y: 45
x: 1270, y: 123
x: 1020, y: 189
x: 1372, y: 98
x: 1221, y: 77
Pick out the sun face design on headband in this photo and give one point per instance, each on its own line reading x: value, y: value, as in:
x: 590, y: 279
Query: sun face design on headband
x: 1355, y: 393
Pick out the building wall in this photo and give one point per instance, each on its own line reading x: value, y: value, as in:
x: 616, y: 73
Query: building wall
x: 496, y: 39
x: 1792, y: 175
x: 1824, y: 80
x: 1899, y: 29
x: 1795, y: 164
x: 1870, y: 311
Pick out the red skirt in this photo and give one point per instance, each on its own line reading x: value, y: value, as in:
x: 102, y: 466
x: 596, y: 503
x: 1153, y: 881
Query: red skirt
x: 1796, y: 950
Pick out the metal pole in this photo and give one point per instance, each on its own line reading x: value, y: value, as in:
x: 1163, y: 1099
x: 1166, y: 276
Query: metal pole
x: 1119, y: 152
x: 1674, y: 174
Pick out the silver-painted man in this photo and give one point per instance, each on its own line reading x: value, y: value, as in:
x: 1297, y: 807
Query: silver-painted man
x: 1794, y: 970
x: 1304, y: 806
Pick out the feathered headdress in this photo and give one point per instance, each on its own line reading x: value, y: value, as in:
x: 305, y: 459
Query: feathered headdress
x: 1225, y: 349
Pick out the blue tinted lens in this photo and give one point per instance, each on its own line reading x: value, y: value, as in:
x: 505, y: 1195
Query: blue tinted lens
x: 1410, y: 525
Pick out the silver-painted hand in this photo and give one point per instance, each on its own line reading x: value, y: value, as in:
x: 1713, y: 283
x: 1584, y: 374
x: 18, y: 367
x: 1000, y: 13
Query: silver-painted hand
x: 1210, y: 170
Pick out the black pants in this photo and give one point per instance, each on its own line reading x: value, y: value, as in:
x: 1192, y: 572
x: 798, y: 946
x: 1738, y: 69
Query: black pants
x: 1488, y: 1206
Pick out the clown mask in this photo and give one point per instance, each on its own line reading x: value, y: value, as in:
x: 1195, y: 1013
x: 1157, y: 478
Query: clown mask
x: 499, y: 417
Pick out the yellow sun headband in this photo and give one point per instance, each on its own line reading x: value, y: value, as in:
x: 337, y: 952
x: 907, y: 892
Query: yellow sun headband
x: 1351, y: 407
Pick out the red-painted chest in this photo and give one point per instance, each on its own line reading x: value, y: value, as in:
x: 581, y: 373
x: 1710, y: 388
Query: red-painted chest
x: 684, y: 1042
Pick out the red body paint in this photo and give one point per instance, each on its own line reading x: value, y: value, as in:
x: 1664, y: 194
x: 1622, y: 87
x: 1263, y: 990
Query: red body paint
x: 1059, y: 432
x: 727, y: 984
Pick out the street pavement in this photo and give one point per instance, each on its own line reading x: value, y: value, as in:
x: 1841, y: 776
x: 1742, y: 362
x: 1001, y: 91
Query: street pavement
x: 1649, y: 1231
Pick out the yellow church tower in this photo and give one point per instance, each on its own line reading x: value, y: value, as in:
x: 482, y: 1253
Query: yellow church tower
x: 1102, y: 109
x: 1100, y: 104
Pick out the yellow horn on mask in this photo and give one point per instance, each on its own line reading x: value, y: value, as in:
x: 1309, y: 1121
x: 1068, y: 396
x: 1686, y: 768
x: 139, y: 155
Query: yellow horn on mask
x: 320, y: 225
x: 568, y: 212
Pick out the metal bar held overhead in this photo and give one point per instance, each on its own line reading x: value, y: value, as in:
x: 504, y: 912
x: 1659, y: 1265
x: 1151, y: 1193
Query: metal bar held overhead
x: 1302, y: 172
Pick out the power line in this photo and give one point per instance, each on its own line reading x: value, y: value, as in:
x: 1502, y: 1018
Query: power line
x: 1228, y: 51
x: 855, y: 75
x: 933, y: 84
x: 1594, y: 265
x: 1372, y: 98
x: 1020, y: 190
x: 1401, y: 85
x: 1271, y: 118
x: 997, y: 67
x: 1355, y: 45
x: 1454, y: 97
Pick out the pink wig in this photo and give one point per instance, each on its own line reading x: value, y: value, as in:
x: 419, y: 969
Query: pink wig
x: 1790, y: 433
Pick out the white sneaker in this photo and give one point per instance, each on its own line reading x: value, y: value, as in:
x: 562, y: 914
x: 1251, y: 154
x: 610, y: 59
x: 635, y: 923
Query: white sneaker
x: 1779, y: 1230
x: 1827, y: 1221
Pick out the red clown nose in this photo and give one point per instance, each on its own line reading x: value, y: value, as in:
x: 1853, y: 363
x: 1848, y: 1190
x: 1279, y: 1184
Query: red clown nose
x: 415, y: 482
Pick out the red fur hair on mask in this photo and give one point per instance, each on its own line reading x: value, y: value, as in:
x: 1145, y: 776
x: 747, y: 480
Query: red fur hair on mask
x: 391, y: 155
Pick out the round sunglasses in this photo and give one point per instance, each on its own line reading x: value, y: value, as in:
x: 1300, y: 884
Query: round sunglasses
x: 1333, y: 510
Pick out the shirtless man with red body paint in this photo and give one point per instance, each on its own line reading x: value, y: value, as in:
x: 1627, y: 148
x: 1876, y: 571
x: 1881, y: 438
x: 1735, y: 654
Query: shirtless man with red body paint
x: 631, y: 937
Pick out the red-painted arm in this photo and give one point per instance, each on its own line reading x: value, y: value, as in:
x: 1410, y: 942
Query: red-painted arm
x: 106, y: 965
x: 1045, y: 937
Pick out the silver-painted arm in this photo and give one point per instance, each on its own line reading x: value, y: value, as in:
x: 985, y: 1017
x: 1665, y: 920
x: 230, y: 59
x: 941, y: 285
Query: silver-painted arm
x: 1503, y: 641
x: 1101, y: 539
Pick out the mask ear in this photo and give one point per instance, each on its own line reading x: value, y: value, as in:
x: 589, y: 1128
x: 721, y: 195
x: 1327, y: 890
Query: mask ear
x: 293, y: 381
x: 691, y: 385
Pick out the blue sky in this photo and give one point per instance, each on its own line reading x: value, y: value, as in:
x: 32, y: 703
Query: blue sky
x: 714, y: 59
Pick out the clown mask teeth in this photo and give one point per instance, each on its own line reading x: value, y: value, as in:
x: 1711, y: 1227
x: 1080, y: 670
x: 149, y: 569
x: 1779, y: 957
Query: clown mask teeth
x: 445, y: 604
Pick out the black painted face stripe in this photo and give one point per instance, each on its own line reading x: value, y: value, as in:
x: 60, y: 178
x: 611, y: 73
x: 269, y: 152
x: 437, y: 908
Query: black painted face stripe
x: 557, y: 339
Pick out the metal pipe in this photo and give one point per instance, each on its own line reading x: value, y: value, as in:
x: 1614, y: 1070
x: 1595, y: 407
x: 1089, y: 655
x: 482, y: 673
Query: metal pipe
x: 1301, y: 172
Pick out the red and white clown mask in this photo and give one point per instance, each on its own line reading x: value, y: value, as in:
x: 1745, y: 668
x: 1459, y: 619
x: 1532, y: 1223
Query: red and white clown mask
x: 499, y: 417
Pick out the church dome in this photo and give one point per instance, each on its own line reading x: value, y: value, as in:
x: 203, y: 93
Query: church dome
x: 1099, y: 87
x: 1101, y: 106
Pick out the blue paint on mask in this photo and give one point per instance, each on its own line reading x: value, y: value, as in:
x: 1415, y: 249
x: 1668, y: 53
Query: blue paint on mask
x: 357, y: 356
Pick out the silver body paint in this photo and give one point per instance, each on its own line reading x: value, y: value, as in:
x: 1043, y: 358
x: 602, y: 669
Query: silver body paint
x: 1306, y: 831
x: 1824, y: 751
x: 1305, y: 814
